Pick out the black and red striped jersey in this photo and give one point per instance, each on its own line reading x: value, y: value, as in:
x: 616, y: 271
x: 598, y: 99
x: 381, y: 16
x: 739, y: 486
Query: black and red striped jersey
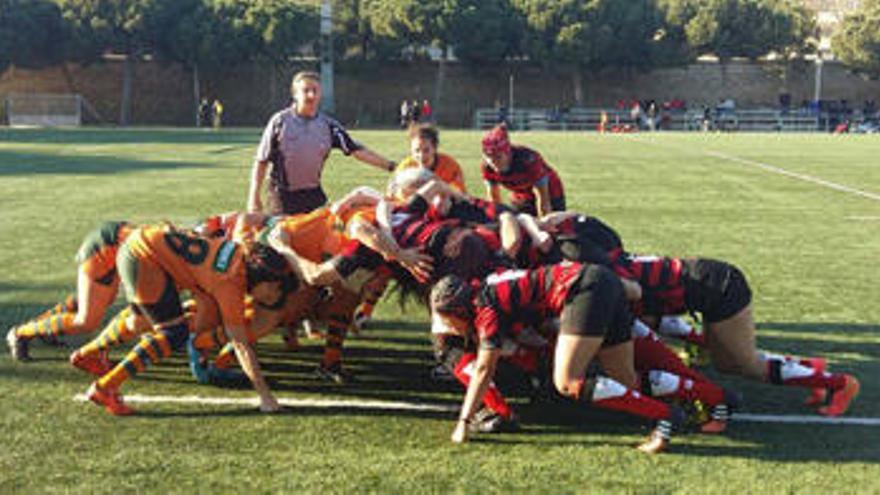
x: 526, y: 169
x: 473, y: 210
x: 509, y: 297
x: 663, y: 291
x: 411, y: 225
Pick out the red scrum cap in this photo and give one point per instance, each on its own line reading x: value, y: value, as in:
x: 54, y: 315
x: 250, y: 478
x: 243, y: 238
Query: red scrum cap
x: 496, y: 141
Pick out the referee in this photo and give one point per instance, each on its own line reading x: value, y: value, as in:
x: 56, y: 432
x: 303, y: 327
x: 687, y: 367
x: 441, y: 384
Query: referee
x: 296, y: 142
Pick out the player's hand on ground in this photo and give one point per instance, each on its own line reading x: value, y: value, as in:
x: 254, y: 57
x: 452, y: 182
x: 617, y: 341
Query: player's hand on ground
x: 460, y: 435
x: 269, y: 405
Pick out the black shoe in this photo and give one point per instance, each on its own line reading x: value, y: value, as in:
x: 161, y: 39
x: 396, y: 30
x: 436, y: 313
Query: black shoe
x: 334, y: 373
x: 488, y: 421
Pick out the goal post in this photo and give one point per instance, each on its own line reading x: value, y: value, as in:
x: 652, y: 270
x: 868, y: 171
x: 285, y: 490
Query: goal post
x: 44, y: 109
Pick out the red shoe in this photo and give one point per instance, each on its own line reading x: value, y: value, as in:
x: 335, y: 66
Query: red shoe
x: 841, y: 399
x: 93, y: 364
x: 110, y: 399
x: 713, y: 426
x: 817, y: 395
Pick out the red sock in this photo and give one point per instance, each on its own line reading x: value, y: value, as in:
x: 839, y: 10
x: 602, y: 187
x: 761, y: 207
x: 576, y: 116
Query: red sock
x: 665, y: 384
x: 609, y: 394
x: 493, y: 398
x: 651, y: 354
x: 781, y: 371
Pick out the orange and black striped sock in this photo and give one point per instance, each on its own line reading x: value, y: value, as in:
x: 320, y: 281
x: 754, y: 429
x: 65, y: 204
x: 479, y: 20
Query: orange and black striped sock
x: 69, y: 305
x: 49, y: 327
x: 151, y: 349
x: 116, y: 333
x: 336, y: 330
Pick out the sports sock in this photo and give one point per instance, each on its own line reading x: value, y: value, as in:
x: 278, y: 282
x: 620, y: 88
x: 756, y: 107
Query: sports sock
x: 606, y: 393
x: 650, y: 353
x: 493, y: 399
x: 116, y: 333
x: 676, y: 326
x: 152, y: 348
x: 49, y: 327
x: 788, y: 372
x: 69, y: 305
x: 667, y: 385
x: 337, y: 327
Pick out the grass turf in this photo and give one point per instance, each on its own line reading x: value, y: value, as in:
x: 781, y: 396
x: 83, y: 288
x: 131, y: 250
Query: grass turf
x: 809, y: 253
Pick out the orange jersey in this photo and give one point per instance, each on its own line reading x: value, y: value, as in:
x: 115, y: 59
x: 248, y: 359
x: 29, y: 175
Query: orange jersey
x: 214, y: 266
x: 366, y: 214
x: 316, y: 236
x: 446, y: 169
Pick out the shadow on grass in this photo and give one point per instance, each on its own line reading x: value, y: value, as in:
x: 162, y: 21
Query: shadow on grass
x: 390, y: 369
x: 91, y: 136
x: 13, y: 163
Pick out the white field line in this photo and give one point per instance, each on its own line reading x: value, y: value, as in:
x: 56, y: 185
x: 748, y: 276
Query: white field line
x: 777, y: 170
x: 795, y: 175
x: 805, y: 420
x: 289, y: 402
x: 411, y: 406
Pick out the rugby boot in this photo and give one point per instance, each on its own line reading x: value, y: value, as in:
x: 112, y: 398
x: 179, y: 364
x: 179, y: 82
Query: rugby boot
x: 840, y: 400
x: 111, y: 400
x: 721, y: 413
x: 93, y: 364
x: 334, y: 373
x: 18, y: 347
x: 662, y: 434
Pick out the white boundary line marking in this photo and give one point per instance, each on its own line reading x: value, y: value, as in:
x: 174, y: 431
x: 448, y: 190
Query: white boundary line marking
x: 285, y: 401
x: 795, y: 175
x: 805, y: 420
x: 772, y: 168
x: 412, y: 406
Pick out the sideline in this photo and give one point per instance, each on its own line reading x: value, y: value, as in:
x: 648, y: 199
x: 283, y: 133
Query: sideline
x: 771, y: 168
x: 412, y: 406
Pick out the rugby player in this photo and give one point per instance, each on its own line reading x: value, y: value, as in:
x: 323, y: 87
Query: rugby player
x: 591, y: 303
x: 523, y: 172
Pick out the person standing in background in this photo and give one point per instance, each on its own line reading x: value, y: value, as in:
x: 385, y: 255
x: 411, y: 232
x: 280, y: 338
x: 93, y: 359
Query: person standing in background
x: 296, y: 143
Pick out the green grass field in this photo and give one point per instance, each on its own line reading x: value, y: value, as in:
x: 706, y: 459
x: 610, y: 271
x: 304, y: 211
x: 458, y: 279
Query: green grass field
x: 810, y: 253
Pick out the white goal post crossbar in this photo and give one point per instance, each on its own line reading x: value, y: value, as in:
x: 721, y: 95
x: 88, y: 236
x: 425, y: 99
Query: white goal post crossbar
x: 44, y: 109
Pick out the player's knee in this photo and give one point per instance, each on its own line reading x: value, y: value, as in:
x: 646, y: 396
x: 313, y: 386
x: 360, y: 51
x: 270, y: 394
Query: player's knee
x: 86, y: 319
x: 566, y: 386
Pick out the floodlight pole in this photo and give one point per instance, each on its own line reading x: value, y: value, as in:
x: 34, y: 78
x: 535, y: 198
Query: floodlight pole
x: 327, y: 102
x: 510, y: 101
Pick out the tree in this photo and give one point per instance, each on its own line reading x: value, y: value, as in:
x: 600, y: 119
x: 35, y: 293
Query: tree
x: 113, y: 26
x: 592, y: 35
x: 857, y: 44
x: 32, y: 33
x: 205, y: 37
x: 353, y: 33
x: 741, y: 28
x: 483, y: 31
x: 283, y: 29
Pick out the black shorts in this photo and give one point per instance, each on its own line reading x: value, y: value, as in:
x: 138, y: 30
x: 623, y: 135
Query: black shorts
x: 596, y: 306
x: 284, y: 202
x: 591, y: 242
x: 715, y: 289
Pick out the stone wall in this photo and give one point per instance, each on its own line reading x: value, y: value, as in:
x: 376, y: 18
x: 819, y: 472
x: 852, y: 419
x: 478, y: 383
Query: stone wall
x: 369, y: 95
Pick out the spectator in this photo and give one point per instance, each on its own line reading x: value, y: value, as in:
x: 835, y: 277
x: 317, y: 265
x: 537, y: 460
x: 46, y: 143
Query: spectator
x: 205, y: 116
x: 404, y: 114
x: 427, y: 111
x: 217, y: 113
x: 415, y: 112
